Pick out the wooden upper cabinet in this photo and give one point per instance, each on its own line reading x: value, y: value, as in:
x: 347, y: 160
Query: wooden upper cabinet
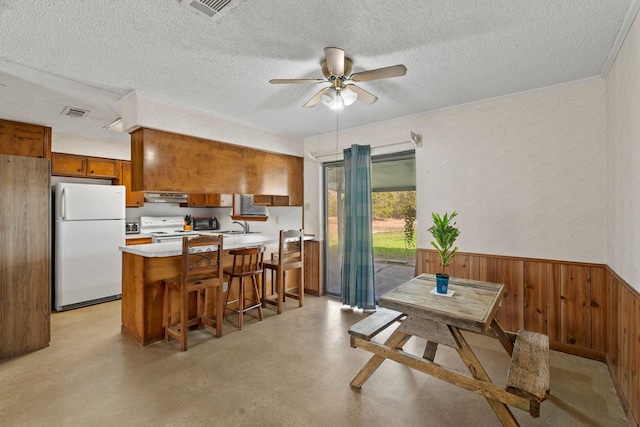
x: 266, y: 200
x: 101, y: 168
x: 24, y: 139
x: 134, y: 199
x: 68, y: 165
x: 203, y: 200
x: 165, y: 161
x: 210, y: 200
x: 83, y: 166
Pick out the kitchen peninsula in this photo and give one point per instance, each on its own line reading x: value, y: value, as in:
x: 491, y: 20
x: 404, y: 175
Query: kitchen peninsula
x: 144, y: 267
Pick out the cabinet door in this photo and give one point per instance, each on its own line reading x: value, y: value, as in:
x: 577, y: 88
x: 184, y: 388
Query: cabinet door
x: 262, y: 200
x: 68, y: 165
x: 266, y: 200
x: 203, y: 200
x: 134, y: 199
x: 212, y: 200
x: 25, y: 272
x: 195, y: 200
x: 101, y: 168
x: 226, y: 200
x: 313, y: 268
x: 23, y: 139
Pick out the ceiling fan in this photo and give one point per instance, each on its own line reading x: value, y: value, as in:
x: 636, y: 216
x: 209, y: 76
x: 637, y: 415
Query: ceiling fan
x: 336, y: 68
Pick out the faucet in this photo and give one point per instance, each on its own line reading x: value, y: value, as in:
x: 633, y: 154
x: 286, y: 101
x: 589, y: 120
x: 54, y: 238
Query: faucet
x: 244, y: 224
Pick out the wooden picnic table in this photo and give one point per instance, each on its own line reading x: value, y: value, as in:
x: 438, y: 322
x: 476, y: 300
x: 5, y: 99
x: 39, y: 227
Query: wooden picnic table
x: 440, y: 319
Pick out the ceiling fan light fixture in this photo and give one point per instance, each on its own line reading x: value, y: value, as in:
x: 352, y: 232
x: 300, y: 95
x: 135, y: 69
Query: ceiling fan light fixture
x: 338, y: 102
x: 348, y: 96
x: 327, y: 100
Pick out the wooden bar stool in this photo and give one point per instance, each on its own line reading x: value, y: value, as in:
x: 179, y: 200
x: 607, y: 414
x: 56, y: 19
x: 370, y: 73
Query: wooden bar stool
x: 201, y: 272
x: 290, y: 257
x: 247, y: 262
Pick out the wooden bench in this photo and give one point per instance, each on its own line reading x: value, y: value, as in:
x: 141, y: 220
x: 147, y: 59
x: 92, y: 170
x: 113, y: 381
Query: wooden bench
x: 528, y: 375
x: 373, y: 324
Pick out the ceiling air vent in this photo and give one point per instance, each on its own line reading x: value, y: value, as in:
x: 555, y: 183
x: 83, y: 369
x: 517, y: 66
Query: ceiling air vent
x: 74, y: 112
x: 214, y: 9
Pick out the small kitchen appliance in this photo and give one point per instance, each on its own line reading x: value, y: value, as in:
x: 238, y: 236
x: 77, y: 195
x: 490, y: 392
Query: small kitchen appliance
x: 205, y: 223
x: 132, y: 227
x: 164, y: 228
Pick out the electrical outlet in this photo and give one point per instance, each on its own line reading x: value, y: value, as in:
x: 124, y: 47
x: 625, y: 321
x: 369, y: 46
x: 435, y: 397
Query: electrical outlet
x: 277, y: 220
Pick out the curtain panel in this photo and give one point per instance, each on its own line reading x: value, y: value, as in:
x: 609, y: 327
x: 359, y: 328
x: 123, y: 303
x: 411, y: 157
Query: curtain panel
x: 358, y: 284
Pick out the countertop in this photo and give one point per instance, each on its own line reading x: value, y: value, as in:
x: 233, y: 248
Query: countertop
x: 174, y: 248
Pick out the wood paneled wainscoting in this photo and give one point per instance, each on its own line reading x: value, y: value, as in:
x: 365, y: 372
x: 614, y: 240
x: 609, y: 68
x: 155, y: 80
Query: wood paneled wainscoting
x: 585, y: 309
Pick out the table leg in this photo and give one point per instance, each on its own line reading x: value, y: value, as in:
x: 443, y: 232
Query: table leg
x: 396, y: 340
x: 504, y: 339
x: 478, y: 372
x: 430, y: 351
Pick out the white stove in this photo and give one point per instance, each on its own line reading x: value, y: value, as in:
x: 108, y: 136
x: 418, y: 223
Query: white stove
x: 165, y: 228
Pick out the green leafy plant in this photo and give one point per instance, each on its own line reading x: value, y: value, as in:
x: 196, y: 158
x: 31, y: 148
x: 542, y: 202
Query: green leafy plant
x: 409, y: 213
x: 445, y: 233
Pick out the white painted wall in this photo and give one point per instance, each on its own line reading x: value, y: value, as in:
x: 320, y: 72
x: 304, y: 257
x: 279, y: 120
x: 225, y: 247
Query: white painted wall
x: 526, y: 173
x: 87, y: 146
x: 623, y: 160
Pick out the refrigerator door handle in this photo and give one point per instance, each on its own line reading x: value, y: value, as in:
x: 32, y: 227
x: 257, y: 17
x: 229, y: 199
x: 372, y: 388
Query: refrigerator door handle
x: 61, y: 208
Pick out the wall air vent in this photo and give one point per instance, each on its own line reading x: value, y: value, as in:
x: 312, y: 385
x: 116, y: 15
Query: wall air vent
x: 214, y: 9
x: 74, y: 112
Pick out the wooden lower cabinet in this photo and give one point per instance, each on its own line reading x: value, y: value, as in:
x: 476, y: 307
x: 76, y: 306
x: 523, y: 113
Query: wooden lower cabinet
x: 138, y: 240
x: 313, y: 267
x: 143, y: 294
x: 24, y: 139
x: 143, y: 291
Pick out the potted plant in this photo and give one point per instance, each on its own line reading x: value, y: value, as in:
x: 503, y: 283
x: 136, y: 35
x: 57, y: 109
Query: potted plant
x: 445, y: 233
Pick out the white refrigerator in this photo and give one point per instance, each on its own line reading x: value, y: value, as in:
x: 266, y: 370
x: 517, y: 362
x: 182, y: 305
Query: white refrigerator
x: 89, y: 229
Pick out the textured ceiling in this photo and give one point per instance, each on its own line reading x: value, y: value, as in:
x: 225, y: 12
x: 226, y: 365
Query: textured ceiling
x: 89, y: 54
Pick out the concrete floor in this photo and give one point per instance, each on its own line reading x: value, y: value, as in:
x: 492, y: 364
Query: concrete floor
x: 390, y: 275
x: 288, y: 370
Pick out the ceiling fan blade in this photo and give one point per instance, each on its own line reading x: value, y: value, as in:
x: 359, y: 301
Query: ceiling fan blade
x: 380, y: 73
x: 292, y: 81
x: 335, y: 60
x: 316, y: 98
x: 363, y: 95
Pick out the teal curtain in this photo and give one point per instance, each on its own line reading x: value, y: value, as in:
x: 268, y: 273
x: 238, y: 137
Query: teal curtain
x: 358, y: 285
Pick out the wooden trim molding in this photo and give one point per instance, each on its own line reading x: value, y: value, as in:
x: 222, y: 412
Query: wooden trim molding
x: 623, y: 339
x: 586, y: 309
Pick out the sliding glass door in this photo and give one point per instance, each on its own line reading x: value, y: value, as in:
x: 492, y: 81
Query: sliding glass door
x: 393, y: 187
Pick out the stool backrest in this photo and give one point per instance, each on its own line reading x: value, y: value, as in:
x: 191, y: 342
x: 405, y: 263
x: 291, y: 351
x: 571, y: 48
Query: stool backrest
x: 247, y: 261
x: 202, y: 256
x: 291, y: 249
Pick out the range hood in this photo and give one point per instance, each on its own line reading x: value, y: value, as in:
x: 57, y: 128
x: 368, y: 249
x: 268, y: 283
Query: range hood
x: 165, y: 198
